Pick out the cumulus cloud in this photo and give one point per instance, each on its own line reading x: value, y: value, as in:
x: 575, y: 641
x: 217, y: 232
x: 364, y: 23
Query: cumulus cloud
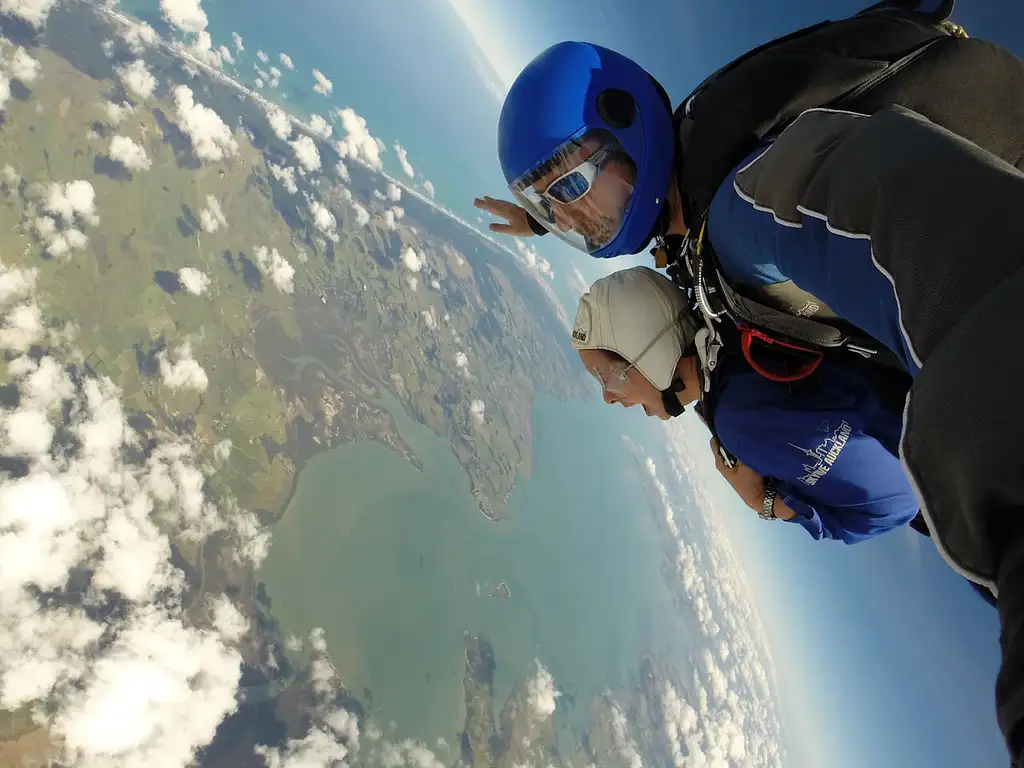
x: 320, y: 126
x: 342, y: 170
x: 262, y: 56
x: 186, y: 15
x: 138, y: 37
x: 33, y: 12
x: 403, y: 160
x: 323, y: 86
x: 541, y: 693
x: 429, y: 187
x: 184, y: 372
x: 211, y: 138
x: 274, y: 76
x: 236, y: 40
x: 212, y: 218
x: 413, y: 282
x: 323, y: 219
x: 73, y: 201
x: 276, y: 267
x: 116, y: 113
x: 394, y: 193
x: 476, y: 410
x: 362, y: 215
x: 280, y: 123
x: 129, y: 154
x: 82, y: 522
x: 412, y: 260
x: 286, y: 61
x: 533, y: 261
x: 306, y: 153
x: 462, y: 365
x: 429, y: 318
x: 392, y: 216
x: 194, y: 281
x: 285, y: 175
x: 20, y: 66
x: 358, y: 144
x: 202, y: 48
x: 728, y: 714
x: 137, y: 79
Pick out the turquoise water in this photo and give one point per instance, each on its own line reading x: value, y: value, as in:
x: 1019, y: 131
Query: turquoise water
x: 388, y: 561
x: 406, y: 67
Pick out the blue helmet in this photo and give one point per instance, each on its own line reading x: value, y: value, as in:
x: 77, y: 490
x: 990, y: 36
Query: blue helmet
x: 586, y: 144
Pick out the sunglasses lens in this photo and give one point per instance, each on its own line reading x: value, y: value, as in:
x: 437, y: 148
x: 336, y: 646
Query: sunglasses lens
x: 570, y: 188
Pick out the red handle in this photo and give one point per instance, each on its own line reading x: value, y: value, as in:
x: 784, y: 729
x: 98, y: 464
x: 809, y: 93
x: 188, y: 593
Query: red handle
x: 747, y: 336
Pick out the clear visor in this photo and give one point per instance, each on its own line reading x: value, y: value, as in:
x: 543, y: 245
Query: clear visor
x: 582, y: 192
x: 614, y: 376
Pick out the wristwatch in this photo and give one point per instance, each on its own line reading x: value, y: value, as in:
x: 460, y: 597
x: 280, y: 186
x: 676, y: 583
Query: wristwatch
x: 768, y: 505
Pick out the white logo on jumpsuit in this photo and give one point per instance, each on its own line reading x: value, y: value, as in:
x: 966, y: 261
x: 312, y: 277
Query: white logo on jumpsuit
x: 824, y: 454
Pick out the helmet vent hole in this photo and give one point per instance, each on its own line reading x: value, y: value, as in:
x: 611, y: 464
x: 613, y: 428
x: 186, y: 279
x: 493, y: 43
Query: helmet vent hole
x: 617, y: 108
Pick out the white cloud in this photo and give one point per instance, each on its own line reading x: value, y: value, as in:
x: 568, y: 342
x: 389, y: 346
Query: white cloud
x: 186, y: 15
x: 403, y: 160
x: 129, y: 154
x: 212, y: 218
x: 430, y: 318
x: 623, y: 742
x: 358, y: 144
x: 21, y: 66
x: 392, y: 216
x: 276, y: 267
x: 117, y: 112
x: 280, y: 123
x: 320, y: 126
x: 362, y: 215
x: 262, y: 56
x: 202, y: 48
x: 184, y: 372
x: 211, y: 138
x: 429, y: 187
x: 273, y: 78
x: 236, y: 40
x: 476, y: 409
x: 541, y: 693
x: 306, y: 153
x: 258, y: 82
x: 85, y: 508
x: 222, y: 450
x: 137, y: 79
x: 139, y: 36
x: 286, y: 176
x: 194, y: 281
x: 323, y: 86
x: 342, y: 170
x: 323, y: 219
x: 72, y: 201
x: 33, y: 12
x: 412, y: 260
x: 394, y: 193
x: 728, y: 715
x: 286, y: 61
x: 413, y: 282
x: 462, y: 365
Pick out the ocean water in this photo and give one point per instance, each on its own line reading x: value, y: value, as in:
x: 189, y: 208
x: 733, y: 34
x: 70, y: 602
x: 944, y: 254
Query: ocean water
x: 408, y: 68
x: 395, y: 564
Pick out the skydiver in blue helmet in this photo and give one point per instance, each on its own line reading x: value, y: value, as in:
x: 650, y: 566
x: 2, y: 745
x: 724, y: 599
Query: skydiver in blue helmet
x: 861, y: 172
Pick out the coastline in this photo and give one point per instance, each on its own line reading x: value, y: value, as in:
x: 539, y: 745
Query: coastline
x: 177, y: 50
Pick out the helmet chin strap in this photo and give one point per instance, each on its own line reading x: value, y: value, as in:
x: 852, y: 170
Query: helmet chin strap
x: 669, y: 399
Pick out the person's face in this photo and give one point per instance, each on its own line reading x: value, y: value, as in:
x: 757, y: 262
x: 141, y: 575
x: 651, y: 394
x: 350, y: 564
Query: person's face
x: 597, y: 215
x: 622, y: 384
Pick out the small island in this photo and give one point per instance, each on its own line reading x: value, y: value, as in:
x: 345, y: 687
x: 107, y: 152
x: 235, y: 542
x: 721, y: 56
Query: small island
x: 502, y: 591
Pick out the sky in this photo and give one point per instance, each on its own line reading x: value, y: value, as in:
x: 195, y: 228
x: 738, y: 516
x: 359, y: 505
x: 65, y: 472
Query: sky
x: 881, y: 655
x: 884, y: 655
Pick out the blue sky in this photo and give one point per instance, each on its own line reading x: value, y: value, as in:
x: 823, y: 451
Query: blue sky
x: 885, y: 656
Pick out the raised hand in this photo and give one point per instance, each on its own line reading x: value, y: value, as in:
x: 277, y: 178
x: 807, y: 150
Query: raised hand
x: 518, y: 220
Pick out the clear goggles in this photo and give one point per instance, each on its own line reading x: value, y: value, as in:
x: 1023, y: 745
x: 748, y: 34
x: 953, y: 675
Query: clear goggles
x: 582, y: 192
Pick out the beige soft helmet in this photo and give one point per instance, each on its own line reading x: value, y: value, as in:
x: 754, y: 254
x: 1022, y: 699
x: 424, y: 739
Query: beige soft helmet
x: 640, y: 314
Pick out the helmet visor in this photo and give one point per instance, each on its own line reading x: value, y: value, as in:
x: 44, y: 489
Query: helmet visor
x: 582, y: 192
